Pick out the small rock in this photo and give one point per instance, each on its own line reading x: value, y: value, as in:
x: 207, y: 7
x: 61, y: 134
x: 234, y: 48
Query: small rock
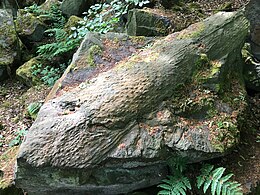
x: 75, y: 7
x: 145, y: 23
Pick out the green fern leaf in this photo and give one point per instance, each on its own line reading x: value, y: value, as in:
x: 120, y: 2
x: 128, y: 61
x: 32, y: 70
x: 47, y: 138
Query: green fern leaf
x: 186, y: 182
x: 200, y: 180
x: 217, y: 174
x: 235, y: 188
x: 181, y: 190
x: 205, y: 171
x: 219, y: 186
x: 226, y: 178
x: 176, y: 185
x: 225, y: 188
x: 214, y: 186
x: 165, y: 186
x: 164, y: 192
x: 33, y: 109
x: 207, y: 184
x: 175, y: 192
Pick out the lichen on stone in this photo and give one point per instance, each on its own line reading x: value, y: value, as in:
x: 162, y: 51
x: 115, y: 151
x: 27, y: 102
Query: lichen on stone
x: 92, y: 52
x: 192, y: 32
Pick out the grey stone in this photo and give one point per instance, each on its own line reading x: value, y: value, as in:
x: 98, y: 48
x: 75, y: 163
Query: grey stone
x: 146, y: 23
x: 113, y: 133
x: 251, y: 68
x: 252, y: 13
x: 75, y: 7
x: 29, y: 27
x: 9, y: 4
x: 252, y: 55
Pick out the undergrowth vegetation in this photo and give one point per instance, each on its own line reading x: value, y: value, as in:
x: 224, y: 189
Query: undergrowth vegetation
x: 105, y: 17
x: 53, y: 16
x: 62, y: 44
x: 48, y: 74
x: 210, y: 181
x: 18, y: 138
x: 100, y: 18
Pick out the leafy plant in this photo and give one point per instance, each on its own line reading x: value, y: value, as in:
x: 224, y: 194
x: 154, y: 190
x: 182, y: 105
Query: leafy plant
x: 177, y: 164
x: 103, y: 18
x: 19, y: 137
x: 48, y: 74
x: 53, y: 15
x: 219, y: 184
x: 34, y: 9
x: 62, y: 44
x: 177, y: 183
x: 33, y: 109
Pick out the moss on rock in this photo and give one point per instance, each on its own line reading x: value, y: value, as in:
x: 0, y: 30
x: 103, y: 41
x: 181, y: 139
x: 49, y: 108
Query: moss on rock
x: 192, y: 32
x: 29, y: 27
x: 9, y: 44
x: 25, y: 73
x: 72, y: 22
x: 92, y: 53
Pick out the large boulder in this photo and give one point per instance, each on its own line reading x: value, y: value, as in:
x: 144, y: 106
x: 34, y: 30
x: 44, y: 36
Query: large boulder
x: 9, y: 44
x: 112, y: 133
x: 75, y: 7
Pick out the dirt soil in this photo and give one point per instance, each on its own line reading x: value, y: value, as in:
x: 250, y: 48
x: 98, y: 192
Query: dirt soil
x: 14, y: 100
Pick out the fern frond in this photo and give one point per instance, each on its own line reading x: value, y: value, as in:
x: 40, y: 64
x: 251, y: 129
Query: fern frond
x: 207, y: 184
x: 165, y: 186
x: 177, y: 164
x: 164, y: 192
x: 175, y: 185
x: 205, y: 171
x: 217, y: 174
x: 219, y: 184
x: 60, y: 34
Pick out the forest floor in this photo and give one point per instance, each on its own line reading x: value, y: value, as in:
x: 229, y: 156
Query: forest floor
x: 243, y: 161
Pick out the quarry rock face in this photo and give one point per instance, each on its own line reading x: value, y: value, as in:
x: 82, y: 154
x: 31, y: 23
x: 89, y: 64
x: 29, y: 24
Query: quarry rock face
x: 113, y: 132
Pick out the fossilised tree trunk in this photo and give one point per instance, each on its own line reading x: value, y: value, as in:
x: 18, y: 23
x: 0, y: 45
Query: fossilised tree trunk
x: 113, y: 133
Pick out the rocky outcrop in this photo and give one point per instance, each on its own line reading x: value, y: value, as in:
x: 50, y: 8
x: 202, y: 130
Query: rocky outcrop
x: 112, y: 133
x: 75, y: 7
x: 9, y: 44
x: 146, y: 23
x: 29, y: 27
